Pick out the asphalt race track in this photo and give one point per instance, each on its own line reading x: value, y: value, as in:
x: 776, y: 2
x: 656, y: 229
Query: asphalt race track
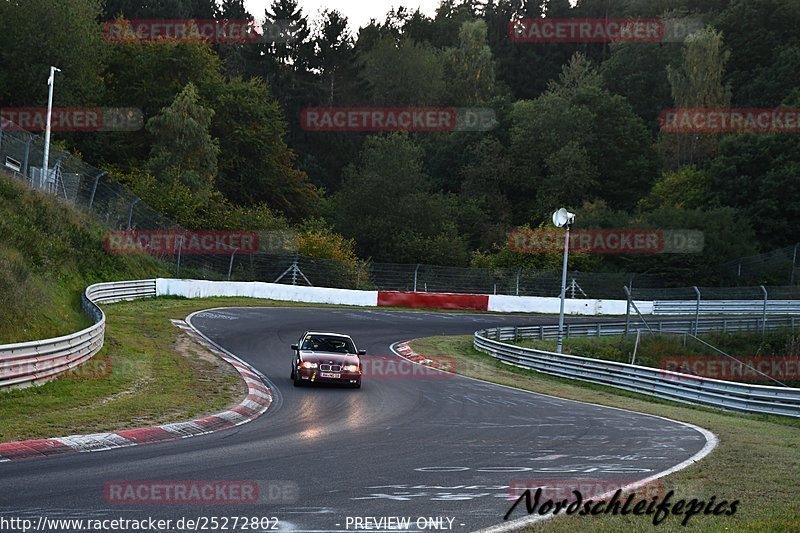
x: 443, y: 446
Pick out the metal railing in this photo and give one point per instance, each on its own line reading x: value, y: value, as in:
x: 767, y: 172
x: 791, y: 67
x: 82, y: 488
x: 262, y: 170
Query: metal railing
x: 603, y: 329
x: 726, y: 307
x: 31, y: 363
x: 675, y: 386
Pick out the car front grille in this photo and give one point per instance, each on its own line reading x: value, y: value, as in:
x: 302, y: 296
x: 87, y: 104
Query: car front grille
x: 330, y: 368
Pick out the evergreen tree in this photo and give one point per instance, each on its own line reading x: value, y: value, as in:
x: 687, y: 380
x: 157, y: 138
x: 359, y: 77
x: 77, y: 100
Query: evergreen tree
x: 183, y: 150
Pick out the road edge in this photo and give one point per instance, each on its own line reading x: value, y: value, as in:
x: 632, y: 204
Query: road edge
x: 712, y: 441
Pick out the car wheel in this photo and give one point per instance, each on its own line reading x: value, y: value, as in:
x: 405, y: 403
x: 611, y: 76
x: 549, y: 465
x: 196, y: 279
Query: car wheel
x: 357, y: 385
x: 296, y: 381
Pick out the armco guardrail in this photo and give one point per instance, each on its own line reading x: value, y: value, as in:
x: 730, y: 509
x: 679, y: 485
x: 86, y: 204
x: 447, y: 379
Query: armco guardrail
x: 31, y: 363
x: 602, y: 329
x: 665, y: 384
x: 726, y: 307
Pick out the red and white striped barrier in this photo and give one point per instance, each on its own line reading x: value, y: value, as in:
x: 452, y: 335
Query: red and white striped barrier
x: 477, y: 302
x: 498, y: 303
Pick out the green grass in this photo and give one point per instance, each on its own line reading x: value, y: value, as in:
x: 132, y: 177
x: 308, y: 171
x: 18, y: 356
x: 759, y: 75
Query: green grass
x: 757, y: 460
x: 157, y: 374
x: 48, y: 255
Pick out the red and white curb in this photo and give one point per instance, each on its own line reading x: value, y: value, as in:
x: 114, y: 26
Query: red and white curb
x: 406, y: 352
x: 258, y: 400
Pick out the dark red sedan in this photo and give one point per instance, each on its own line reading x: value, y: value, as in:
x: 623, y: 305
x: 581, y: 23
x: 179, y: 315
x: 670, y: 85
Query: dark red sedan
x: 326, y: 358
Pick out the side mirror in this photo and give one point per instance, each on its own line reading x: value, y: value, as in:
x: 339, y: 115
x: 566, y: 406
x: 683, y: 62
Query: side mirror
x: 362, y: 352
x: 294, y: 347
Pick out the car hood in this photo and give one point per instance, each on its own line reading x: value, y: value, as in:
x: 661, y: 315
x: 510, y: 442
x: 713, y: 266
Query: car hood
x: 328, y: 357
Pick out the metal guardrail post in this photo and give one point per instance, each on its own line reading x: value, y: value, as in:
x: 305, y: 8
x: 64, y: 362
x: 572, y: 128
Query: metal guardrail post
x: 641, y: 317
x: 697, y: 310
x: 636, y: 346
x: 230, y: 265
x: 415, y: 277
x: 130, y: 212
x: 94, y: 189
x: 629, y: 297
x: 27, y: 156
x: 180, y: 249
x: 519, y: 271
x: 764, y: 316
x: 794, y: 264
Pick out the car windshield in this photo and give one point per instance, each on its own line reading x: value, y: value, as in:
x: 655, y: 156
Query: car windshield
x: 324, y: 343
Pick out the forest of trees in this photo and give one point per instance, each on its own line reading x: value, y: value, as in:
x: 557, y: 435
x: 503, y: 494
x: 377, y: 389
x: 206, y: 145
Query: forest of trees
x: 577, y: 124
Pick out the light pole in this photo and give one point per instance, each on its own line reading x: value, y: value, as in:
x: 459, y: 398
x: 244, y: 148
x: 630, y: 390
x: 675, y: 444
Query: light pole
x: 563, y: 218
x: 45, y: 161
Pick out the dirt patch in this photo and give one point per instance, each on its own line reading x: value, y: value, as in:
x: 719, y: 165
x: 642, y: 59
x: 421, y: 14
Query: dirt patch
x: 135, y: 388
x: 207, y: 367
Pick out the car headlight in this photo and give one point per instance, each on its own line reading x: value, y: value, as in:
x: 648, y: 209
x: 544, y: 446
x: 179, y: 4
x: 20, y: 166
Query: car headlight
x: 308, y: 364
x: 350, y: 368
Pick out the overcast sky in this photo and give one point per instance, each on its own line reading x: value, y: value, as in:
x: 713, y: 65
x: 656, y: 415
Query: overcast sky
x: 358, y: 12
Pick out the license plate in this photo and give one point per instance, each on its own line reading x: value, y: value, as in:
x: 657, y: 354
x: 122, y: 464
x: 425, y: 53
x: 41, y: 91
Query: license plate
x: 330, y: 375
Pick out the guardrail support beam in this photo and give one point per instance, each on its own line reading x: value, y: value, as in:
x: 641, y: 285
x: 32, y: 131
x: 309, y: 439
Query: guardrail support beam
x: 697, y: 310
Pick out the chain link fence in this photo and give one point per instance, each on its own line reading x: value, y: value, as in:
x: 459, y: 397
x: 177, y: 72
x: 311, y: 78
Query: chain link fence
x: 776, y: 266
x: 117, y: 208
x: 761, y: 292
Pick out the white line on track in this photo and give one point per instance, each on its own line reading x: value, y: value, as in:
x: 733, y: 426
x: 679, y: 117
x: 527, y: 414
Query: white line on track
x: 711, y: 442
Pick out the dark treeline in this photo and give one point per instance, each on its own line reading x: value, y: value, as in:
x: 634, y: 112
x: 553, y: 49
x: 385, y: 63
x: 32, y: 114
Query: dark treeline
x: 578, y: 124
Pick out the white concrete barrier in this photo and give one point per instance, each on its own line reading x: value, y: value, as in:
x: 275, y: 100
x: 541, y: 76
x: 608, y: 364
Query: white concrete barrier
x: 194, y: 288
x: 538, y: 304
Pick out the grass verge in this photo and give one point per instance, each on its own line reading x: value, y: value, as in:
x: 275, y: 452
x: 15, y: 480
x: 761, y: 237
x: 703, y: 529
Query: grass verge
x: 149, y: 372
x: 49, y: 253
x: 757, y: 460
